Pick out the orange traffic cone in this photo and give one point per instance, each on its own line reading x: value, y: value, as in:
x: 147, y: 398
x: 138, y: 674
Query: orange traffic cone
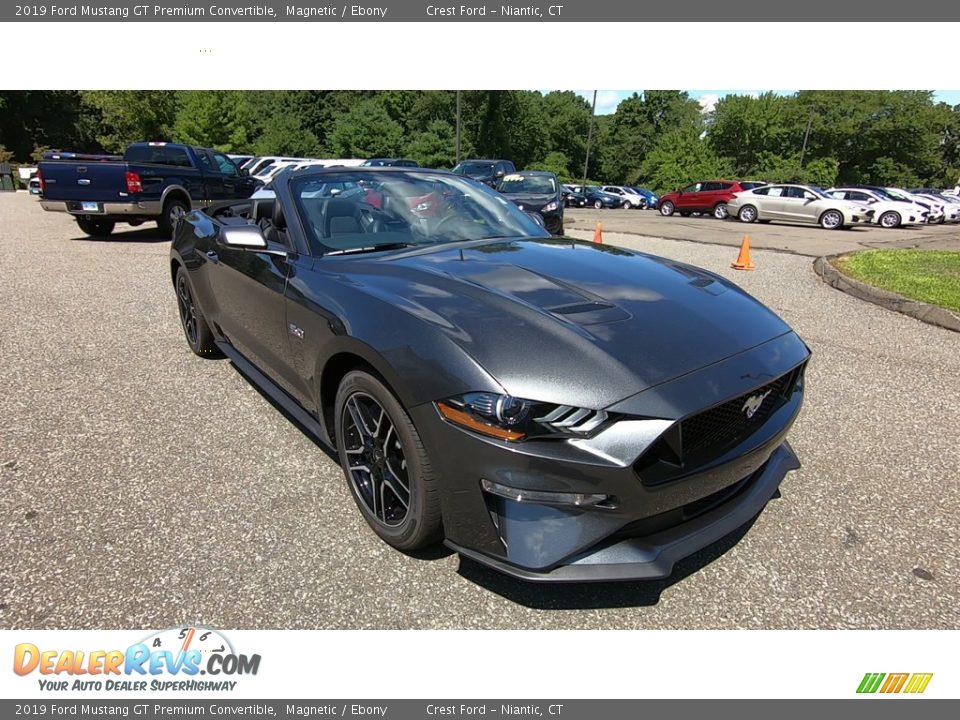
x: 598, y: 233
x: 743, y: 259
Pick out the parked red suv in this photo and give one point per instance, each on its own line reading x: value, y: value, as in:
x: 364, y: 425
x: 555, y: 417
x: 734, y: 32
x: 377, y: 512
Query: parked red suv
x: 709, y: 196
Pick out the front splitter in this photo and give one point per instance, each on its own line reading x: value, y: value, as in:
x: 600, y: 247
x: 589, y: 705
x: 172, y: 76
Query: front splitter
x: 654, y: 556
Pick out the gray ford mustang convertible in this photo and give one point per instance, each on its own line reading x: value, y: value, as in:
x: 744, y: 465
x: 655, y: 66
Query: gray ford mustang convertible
x: 558, y: 410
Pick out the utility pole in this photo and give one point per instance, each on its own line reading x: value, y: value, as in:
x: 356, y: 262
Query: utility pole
x: 586, y: 162
x: 806, y: 136
x: 458, y: 126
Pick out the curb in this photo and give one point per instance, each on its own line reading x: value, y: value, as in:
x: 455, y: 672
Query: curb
x: 922, y: 311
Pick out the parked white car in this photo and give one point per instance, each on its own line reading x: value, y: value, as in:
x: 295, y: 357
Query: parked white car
x: 797, y: 203
x: 632, y: 200
x: 266, y: 160
x: 951, y: 212
x: 934, y: 207
x: 887, y: 213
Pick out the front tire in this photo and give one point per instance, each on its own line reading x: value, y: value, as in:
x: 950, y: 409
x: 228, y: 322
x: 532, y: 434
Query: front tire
x: 387, y: 469
x: 747, y: 214
x: 889, y: 219
x: 192, y: 320
x: 831, y: 220
x: 96, y: 227
x: 598, y: 204
x: 667, y: 208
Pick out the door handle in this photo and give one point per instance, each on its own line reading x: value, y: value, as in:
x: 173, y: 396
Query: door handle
x: 212, y: 256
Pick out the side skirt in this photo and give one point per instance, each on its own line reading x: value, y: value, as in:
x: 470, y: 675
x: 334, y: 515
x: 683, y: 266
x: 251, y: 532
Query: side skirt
x: 276, y: 394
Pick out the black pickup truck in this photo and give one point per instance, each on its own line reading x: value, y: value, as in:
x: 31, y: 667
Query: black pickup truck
x: 153, y: 181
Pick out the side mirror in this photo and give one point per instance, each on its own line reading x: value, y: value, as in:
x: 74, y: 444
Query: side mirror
x: 244, y: 236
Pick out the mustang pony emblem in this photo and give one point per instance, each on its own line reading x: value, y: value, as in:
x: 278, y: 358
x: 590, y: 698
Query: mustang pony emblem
x: 753, y: 403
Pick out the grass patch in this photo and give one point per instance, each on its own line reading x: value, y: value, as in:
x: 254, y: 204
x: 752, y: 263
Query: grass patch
x: 931, y: 276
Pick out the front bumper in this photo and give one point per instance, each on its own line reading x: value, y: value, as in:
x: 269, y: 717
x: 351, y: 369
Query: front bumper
x: 653, y: 518
x: 654, y: 556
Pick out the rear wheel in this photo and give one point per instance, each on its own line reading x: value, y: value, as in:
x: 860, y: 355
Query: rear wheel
x: 889, y: 219
x: 598, y: 204
x: 387, y: 468
x: 96, y: 227
x: 747, y: 214
x: 173, y: 210
x: 194, y: 324
x: 831, y: 220
x: 720, y: 211
x: 667, y: 208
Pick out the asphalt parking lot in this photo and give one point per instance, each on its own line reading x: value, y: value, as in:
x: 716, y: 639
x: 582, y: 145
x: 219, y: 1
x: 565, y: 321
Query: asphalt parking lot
x: 801, y: 239
x: 141, y: 486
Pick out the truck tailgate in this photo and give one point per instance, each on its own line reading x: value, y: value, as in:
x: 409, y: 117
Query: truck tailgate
x: 78, y: 181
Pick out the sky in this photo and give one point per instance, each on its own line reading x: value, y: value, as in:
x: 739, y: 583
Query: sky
x: 607, y: 100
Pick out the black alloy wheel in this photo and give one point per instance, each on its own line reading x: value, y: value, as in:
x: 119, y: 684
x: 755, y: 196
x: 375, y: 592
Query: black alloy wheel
x: 387, y: 469
x: 195, y: 328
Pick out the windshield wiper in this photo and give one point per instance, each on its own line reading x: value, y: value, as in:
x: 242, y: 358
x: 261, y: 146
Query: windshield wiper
x: 372, y: 248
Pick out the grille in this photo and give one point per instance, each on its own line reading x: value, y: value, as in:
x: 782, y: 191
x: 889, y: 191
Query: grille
x: 727, y: 424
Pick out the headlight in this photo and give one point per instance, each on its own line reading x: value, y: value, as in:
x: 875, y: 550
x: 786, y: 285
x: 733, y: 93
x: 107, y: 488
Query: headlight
x: 515, y: 419
x: 550, y: 207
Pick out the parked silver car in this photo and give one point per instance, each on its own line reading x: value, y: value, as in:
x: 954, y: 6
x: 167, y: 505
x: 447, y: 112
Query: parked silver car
x: 797, y: 203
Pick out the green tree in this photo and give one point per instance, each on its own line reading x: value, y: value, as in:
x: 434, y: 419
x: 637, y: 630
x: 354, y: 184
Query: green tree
x: 435, y: 147
x: 557, y: 163
x: 681, y: 157
x: 116, y: 118
x: 40, y: 117
x: 566, y: 118
x: 750, y: 130
x: 366, y: 130
x: 212, y: 118
x: 637, y: 126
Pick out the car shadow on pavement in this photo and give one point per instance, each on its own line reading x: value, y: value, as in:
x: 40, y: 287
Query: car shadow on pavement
x: 139, y: 235
x: 602, y: 595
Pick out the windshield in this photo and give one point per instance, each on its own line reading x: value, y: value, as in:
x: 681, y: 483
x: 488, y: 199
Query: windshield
x: 282, y: 171
x: 819, y: 191
x: 474, y: 168
x: 528, y: 184
x: 898, y: 194
x: 364, y: 210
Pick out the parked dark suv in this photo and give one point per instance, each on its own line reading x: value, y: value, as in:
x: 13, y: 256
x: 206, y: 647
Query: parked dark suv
x: 488, y: 172
x: 709, y: 196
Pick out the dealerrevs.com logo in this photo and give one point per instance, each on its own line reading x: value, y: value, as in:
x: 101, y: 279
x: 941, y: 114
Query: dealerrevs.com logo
x: 172, y: 660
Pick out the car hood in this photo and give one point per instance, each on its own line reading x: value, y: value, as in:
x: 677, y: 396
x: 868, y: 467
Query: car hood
x: 565, y: 321
x: 530, y: 201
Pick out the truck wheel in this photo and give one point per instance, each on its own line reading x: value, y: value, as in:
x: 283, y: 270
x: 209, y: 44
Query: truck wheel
x: 96, y: 228
x: 173, y: 210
